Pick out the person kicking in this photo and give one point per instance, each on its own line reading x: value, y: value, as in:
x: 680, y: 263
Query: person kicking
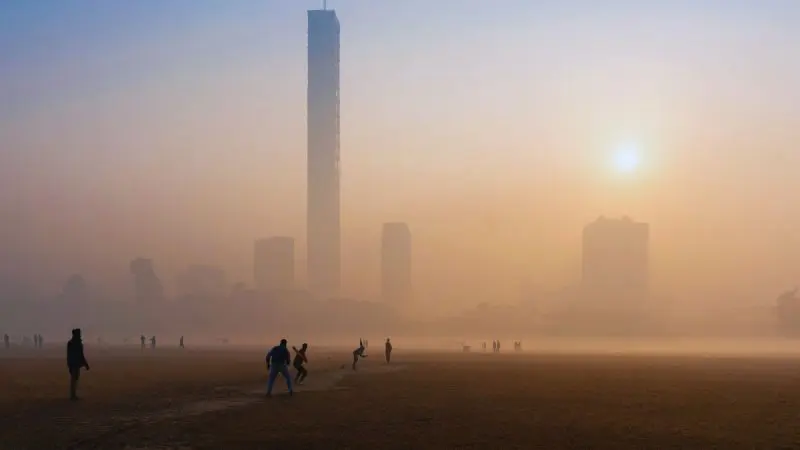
x: 358, y: 353
x: 300, y: 358
x: 278, y: 360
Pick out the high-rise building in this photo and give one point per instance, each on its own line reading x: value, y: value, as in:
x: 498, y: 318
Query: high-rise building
x: 396, y: 262
x: 615, y: 260
x: 324, y: 244
x: 147, y: 285
x: 273, y: 264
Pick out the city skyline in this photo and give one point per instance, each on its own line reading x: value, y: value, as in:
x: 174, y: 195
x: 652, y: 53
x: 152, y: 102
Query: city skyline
x: 502, y: 129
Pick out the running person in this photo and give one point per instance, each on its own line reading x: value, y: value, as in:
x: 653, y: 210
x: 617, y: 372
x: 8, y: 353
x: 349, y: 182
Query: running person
x: 278, y: 360
x: 358, y: 353
x: 299, y: 359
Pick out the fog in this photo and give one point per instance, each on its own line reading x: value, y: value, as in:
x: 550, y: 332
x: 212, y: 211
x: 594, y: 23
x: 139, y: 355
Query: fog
x: 124, y: 135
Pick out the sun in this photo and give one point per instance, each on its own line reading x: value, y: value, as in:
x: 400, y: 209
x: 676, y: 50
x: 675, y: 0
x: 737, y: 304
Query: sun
x: 626, y: 159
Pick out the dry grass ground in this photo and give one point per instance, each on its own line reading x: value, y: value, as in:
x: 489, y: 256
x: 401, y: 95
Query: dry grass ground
x: 445, y: 401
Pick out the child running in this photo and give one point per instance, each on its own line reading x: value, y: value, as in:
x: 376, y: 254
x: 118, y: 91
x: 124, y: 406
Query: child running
x: 299, y: 359
x: 358, y: 353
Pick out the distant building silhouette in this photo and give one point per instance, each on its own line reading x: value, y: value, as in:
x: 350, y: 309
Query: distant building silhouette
x: 615, y: 260
x: 324, y: 229
x: 146, y: 284
x: 788, y: 310
x: 75, y: 289
x: 273, y: 263
x: 396, y: 262
x: 203, y: 281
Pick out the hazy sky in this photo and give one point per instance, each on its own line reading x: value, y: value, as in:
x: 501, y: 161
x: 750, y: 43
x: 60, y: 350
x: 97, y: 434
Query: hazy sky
x: 176, y: 130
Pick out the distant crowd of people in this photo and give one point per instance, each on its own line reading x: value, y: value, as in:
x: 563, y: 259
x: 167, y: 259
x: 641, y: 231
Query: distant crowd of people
x: 36, y: 342
x: 496, y: 346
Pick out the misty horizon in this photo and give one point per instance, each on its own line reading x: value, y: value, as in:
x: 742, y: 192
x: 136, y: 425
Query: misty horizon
x: 177, y: 133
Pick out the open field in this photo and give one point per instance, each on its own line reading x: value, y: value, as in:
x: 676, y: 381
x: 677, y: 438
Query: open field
x: 214, y: 399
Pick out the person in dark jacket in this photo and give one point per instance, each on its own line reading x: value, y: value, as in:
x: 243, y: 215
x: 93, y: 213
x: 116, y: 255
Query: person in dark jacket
x: 278, y: 360
x: 76, y: 360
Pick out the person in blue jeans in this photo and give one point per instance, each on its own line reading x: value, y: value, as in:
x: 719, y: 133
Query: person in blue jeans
x: 278, y: 360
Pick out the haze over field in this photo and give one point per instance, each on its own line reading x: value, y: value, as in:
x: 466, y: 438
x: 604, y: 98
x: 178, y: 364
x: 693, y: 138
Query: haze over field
x: 177, y: 131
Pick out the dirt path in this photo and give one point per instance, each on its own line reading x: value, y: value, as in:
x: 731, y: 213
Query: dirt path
x: 60, y: 424
x: 239, y: 396
x: 243, y: 396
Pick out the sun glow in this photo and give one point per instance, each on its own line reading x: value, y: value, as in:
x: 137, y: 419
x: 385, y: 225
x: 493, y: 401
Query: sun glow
x: 626, y: 159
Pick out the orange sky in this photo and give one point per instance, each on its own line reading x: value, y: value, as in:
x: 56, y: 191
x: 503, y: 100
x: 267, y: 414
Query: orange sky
x: 492, y: 140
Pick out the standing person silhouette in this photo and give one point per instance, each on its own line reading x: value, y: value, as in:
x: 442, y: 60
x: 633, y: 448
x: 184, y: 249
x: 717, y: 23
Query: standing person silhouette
x: 388, y: 351
x: 278, y: 360
x: 76, y: 361
x: 300, y: 358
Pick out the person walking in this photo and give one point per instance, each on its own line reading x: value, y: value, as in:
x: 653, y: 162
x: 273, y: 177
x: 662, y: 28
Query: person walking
x: 76, y: 361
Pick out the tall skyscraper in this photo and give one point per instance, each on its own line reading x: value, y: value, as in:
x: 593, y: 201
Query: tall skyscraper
x: 324, y: 244
x: 273, y: 264
x: 396, y: 262
x: 615, y: 260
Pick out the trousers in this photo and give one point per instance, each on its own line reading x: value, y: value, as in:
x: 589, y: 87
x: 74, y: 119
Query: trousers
x: 274, y: 371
